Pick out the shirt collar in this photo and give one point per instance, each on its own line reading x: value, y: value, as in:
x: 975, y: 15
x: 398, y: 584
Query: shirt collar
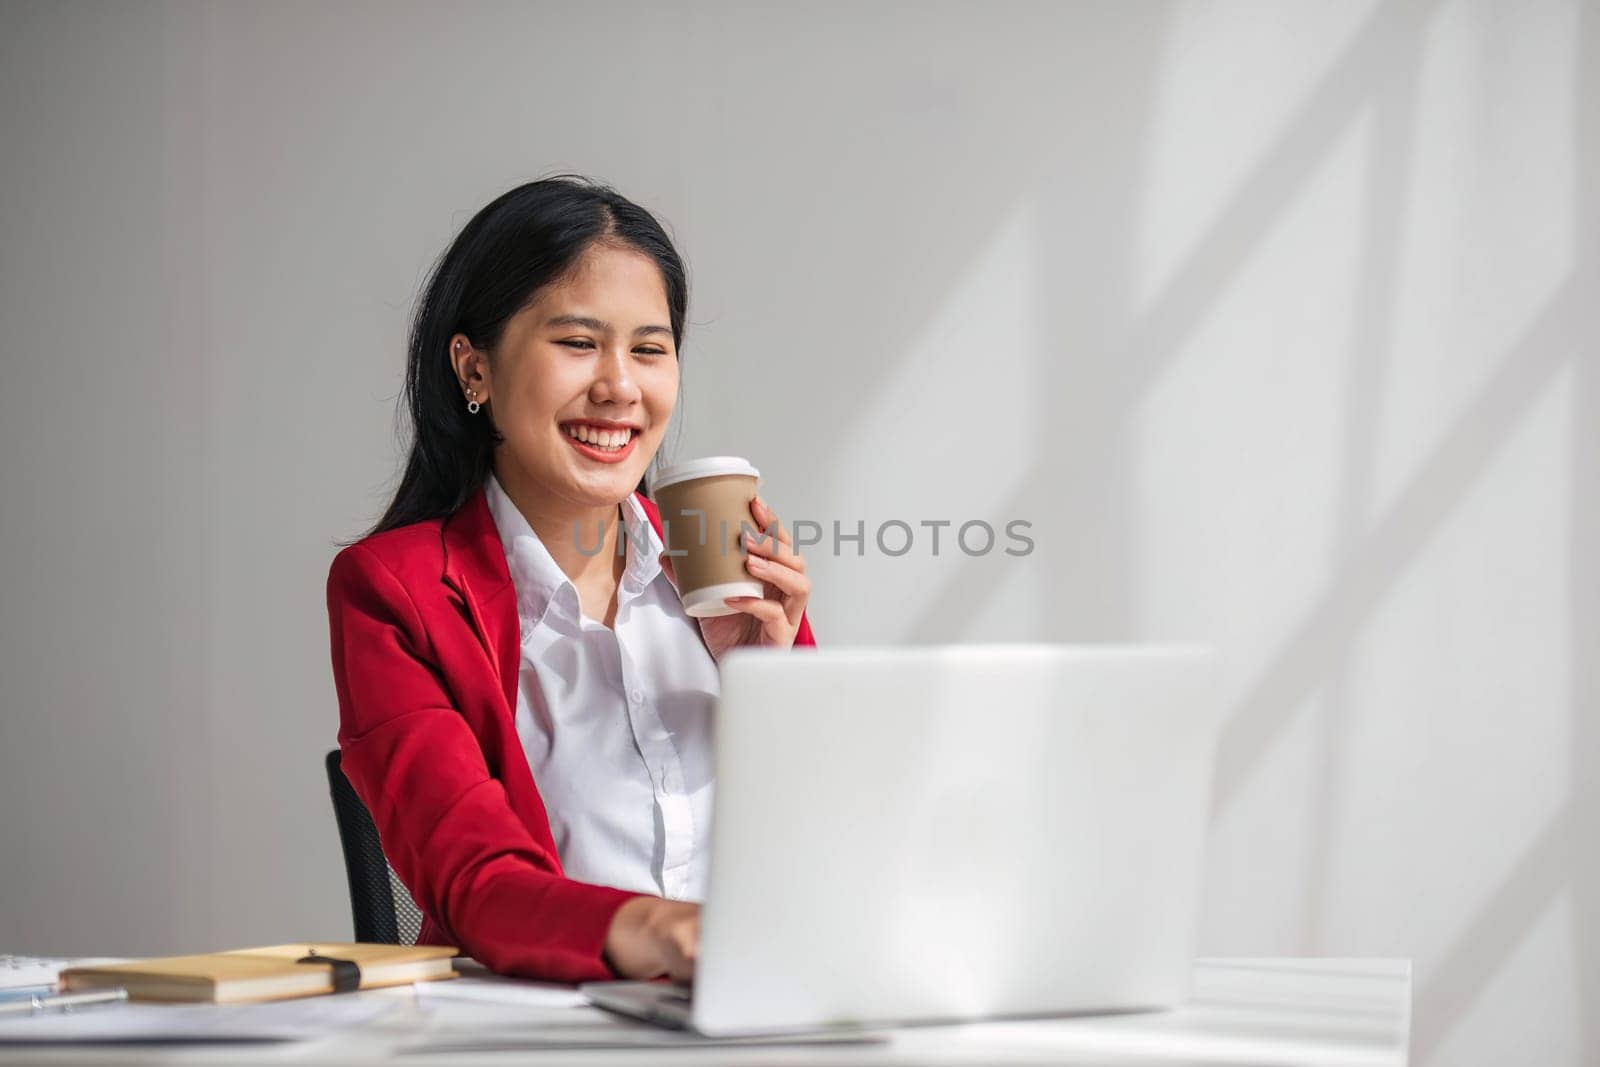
x: 541, y: 584
x: 644, y: 563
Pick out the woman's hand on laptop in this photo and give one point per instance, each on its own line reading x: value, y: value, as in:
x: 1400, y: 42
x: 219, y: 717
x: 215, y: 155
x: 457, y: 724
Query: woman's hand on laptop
x: 650, y: 937
x: 771, y: 620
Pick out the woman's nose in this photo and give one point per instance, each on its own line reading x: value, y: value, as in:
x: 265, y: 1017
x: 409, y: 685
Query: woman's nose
x: 613, y: 379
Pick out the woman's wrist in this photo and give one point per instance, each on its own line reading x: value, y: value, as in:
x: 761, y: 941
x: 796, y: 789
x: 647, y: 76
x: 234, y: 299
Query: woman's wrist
x: 651, y: 937
x: 620, y: 934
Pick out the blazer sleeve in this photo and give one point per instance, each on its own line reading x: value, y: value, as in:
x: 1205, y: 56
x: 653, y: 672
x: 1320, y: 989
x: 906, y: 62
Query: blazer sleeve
x: 446, y: 825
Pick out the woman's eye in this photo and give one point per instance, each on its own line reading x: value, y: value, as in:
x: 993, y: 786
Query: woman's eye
x: 584, y: 344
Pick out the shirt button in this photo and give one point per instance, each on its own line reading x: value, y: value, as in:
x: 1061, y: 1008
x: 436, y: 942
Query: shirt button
x: 637, y: 696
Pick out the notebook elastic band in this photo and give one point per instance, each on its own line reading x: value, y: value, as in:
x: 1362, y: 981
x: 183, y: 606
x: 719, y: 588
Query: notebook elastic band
x: 346, y: 973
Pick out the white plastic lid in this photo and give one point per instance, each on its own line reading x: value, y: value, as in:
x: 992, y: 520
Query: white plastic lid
x: 709, y: 467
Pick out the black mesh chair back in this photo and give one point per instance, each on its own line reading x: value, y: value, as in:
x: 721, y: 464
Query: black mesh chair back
x: 384, y: 911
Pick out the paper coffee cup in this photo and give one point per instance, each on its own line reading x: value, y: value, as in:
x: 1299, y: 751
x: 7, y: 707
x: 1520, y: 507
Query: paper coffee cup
x: 703, y: 503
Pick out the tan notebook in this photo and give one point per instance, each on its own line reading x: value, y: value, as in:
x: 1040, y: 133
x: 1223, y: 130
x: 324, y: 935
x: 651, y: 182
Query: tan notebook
x: 271, y: 973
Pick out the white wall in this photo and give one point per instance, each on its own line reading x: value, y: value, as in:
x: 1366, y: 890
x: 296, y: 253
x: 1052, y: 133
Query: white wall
x: 1276, y: 320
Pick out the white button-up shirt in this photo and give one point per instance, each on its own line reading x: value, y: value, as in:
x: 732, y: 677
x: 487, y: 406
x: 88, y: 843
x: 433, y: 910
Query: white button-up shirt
x: 616, y: 723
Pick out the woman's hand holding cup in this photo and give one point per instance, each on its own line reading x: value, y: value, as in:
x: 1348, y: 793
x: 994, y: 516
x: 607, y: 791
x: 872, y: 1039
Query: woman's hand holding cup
x: 745, y: 587
x: 772, y: 619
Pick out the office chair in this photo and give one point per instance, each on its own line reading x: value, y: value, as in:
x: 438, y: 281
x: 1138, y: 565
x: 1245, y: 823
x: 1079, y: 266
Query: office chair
x: 383, y: 909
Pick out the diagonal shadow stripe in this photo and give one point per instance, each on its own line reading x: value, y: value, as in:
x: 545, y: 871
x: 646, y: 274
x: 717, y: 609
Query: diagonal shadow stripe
x: 1389, y: 170
x: 1398, y: 536
x: 1391, y: 37
x: 1492, y: 935
x: 1472, y: 440
x: 921, y: 202
x: 1584, y: 656
x: 1528, y: 369
x: 1584, y: 547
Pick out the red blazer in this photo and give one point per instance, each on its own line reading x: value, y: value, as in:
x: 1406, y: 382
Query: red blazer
x: 426, y: 654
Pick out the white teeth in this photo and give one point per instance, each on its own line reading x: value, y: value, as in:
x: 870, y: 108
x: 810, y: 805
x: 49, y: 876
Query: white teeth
x: 609, y: 440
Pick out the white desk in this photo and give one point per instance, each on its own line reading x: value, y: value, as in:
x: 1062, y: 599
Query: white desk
x: 1353, y: 1013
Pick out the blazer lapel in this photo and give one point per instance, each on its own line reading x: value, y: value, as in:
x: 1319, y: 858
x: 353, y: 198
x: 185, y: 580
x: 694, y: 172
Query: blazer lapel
x: 475, y: 571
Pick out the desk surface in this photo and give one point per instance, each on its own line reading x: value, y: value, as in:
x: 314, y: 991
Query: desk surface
x: 1243, y: 1011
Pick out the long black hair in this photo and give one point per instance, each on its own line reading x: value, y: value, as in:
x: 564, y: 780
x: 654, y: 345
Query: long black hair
x: 522, y: 241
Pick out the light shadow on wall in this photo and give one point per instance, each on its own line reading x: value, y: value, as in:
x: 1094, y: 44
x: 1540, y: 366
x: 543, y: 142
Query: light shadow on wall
x: 1379, y: 52
x: 1303, y: 664
x: 1389, y: 169
x: 1584, y: 843
x: 1378, y: 70
x: 1378, y: 59
x: 1491, y: 935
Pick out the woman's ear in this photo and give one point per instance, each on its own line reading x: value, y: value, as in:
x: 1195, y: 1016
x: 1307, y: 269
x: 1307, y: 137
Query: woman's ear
x: 471, y: 367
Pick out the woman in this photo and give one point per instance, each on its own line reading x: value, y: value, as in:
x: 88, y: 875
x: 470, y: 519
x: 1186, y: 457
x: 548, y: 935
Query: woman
x: 527, y: 718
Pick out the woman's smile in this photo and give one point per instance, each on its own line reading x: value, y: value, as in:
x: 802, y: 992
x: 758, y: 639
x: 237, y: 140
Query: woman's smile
x: 603, y: 442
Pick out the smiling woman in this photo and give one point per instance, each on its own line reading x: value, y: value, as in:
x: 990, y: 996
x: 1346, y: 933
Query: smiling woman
x: 580, y: 378
x: 521, y: 244
x: 527, y: 711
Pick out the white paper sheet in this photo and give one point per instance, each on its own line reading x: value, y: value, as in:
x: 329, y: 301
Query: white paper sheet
x: 284, y: 1020
x: 612, y: 1035
x: 495, y: 989
x: 17, y: 971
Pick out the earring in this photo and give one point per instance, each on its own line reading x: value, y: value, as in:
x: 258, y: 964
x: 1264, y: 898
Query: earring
x: 472, y: 402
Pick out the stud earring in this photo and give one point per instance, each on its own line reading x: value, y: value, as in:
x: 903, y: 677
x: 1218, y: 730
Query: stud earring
x: 472, y: 402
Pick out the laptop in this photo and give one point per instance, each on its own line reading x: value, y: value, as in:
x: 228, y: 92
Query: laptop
x: 944, y: 833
